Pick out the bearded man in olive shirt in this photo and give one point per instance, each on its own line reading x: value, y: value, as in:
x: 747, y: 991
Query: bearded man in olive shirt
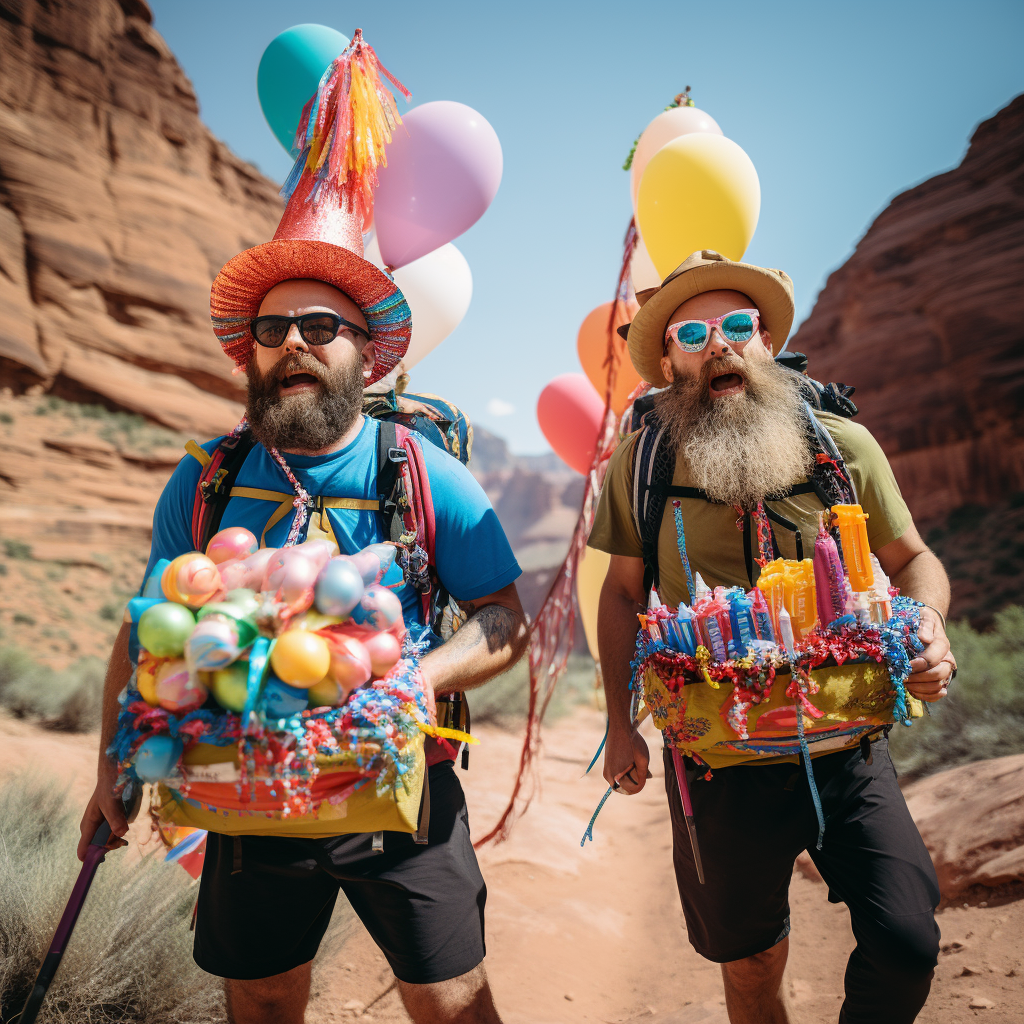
x: 736, y: 420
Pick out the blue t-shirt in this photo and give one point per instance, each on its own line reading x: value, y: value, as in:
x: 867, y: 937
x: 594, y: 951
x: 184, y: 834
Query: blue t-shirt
x: 472, y: 554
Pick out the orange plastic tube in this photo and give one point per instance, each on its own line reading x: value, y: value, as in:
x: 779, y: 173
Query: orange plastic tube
x: 853, y: 532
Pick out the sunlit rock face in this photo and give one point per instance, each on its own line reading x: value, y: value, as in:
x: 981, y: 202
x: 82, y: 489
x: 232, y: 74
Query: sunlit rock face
x: 117, y: 207
x: 925, y: 319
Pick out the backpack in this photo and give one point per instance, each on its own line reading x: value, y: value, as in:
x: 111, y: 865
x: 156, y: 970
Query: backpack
x: 406, y: 508
x: 452, y: 433
x: 654, y: 465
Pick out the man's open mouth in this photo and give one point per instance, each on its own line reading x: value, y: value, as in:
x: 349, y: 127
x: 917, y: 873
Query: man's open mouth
x: 726, y: 384
x: 294, y: 380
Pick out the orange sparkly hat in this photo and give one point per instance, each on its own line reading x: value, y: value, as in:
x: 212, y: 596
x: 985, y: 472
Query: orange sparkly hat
x: 340, y: 141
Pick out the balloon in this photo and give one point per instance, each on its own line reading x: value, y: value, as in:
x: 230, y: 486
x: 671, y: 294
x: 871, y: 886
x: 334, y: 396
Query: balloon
x: 300, y: 658
x: 321, y: 550
x: 214, y: 643
x: 668, y: 125
x: 247, y: 574
x: 290, y: 71
x: 384, y: 650
x: 443, y: 170
x: 244, y: 600
x: 177, y: 690
x: 698, y: 192
x: 339, y: 587
x: 290, y: 576
x: 642, y: 271
x: 326, y: 694
x: 145, y: 677
x: 231, y: 543
x: 164, y: 629
x: 438, y: 288
x: 152, y: 587
x: 350, y: 661
x: 240, y: 616
x: 191, y: 579
x: 157, y: 758
x: 569, y: 411
x: 592, y: 348
x: 230, y: 686
x: 376, y: 563
x: 378, y: 610
x: 281, y: 700
x: 590, y: 574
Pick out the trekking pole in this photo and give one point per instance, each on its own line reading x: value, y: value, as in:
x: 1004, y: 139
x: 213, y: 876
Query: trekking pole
x: 94, y: 854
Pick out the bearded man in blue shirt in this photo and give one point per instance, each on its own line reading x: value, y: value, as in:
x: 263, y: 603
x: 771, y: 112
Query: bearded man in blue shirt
x: 312, y: 323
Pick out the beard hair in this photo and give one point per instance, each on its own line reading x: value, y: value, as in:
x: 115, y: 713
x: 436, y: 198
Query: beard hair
x: 310, y: 421
x: 741, y: 449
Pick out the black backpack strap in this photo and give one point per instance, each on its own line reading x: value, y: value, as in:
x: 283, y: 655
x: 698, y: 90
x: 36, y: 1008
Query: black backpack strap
x: 390, y: 456
x: 654, y: 464
x: 213, y: 491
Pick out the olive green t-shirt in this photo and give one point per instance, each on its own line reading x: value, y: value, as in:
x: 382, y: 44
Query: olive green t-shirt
x: 714, y: 544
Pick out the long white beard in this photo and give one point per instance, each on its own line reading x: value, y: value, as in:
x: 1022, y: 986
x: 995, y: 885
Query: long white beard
x: 744, y: 448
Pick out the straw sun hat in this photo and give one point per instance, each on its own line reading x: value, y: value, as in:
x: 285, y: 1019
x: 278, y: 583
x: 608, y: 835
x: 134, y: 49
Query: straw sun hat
x: 770, y: 290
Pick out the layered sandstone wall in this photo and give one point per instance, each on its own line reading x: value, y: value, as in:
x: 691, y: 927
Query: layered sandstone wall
x: 925, y: 319
x: 117, y: 207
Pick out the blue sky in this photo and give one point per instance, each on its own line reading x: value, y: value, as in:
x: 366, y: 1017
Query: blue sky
x: 839, y: 105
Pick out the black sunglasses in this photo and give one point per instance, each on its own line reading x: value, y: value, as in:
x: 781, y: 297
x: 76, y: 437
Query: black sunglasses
x: 314, y: 328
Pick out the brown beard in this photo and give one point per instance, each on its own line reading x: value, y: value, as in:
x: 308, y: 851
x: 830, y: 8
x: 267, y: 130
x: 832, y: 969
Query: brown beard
x: 743, y: 448
x: 310, y: 421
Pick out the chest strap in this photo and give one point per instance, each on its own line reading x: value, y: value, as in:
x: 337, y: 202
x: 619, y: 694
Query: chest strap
x: 286, y: 503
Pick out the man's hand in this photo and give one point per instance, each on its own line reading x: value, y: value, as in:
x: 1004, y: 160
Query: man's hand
x: 625, y: 761
x: 103, y: 805
x: 933, y: 668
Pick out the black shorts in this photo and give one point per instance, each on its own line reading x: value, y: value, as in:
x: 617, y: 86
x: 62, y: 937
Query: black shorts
x: 265, y: 910
x: 752, y: 823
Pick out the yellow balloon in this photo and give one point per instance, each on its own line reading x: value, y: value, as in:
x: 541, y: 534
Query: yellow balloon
x: 699, y: 191
x: 590, y: 574
x: 300, y: 658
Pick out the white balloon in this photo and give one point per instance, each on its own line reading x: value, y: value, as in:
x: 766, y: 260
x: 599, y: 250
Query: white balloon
x: 668, y: 125
x: 438, y: 288
x: 642, y: 271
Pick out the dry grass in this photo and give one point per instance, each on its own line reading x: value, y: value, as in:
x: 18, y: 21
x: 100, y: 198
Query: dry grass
x: 130, y: 957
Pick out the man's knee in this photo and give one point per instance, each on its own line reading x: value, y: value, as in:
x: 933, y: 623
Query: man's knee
x: 907, y: 946
x: 754, y: 973
x: 280, y: 998
x: 463, y: 1000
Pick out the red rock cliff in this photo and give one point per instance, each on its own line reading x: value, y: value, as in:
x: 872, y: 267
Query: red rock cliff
x: 925, y: 319
x: 117, y: 207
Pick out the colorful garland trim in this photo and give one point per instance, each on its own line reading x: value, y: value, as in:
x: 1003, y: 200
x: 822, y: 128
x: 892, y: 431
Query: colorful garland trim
x: 370, y: 734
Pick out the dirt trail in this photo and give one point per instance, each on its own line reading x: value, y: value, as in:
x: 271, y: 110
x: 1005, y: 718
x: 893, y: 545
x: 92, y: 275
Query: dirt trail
x: 596, y: 934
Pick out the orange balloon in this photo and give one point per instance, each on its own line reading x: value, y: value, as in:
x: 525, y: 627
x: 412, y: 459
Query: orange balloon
x: 592, y: 346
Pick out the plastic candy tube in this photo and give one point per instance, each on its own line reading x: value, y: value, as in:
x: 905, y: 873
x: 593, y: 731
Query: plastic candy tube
x: 686, y: 624
x: 762, y: 615
x: 786, y: 632
x: 853, y: 532
x: 741, y: 620
x: 829, y: 587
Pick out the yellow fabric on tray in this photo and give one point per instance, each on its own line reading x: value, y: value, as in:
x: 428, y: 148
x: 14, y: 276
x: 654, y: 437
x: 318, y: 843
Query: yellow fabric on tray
x: 397, y: 809
x: 855, y: 700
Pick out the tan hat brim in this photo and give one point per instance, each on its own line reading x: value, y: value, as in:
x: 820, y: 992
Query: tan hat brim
x: 765, y: 287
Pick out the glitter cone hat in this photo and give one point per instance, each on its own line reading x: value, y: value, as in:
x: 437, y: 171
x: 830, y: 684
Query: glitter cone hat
x: 340, y: 141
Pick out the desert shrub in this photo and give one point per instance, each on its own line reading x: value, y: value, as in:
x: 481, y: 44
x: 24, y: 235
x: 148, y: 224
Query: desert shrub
x: 983, y: 714
x: 130, y: 956
x: 506, y: 698
x: 68, y: 699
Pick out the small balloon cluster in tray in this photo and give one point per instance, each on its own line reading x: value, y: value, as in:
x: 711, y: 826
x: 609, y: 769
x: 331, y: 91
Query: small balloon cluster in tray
x: 800, y: 616
x: 291, y: 654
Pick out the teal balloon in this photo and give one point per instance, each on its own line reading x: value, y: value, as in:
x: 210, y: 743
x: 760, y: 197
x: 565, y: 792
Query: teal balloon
x: 290, y: 71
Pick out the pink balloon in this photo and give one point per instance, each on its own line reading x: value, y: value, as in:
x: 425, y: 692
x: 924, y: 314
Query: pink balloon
x: 569, y: 411
x: 444, y: 168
